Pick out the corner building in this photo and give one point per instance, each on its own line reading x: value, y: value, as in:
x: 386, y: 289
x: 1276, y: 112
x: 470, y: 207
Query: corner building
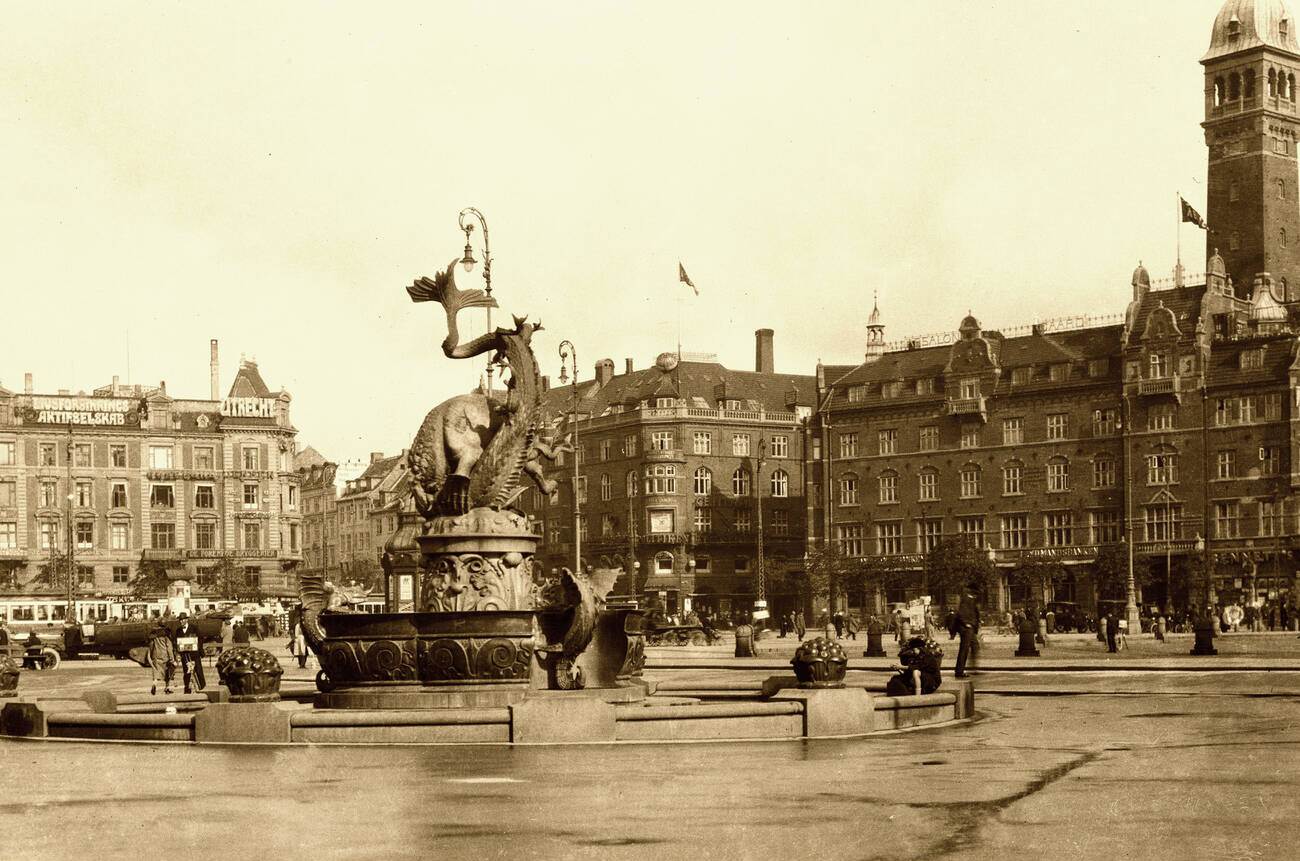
x: 139, y: 475
x: 670, y: 484
x: 1171, y: 431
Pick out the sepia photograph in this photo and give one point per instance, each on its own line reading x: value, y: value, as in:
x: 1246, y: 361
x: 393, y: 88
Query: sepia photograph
x: 613, y: 429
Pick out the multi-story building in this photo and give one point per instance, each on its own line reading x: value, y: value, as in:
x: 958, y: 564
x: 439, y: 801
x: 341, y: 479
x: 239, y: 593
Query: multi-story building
x: 1169, y: 433
x: 361, y: 529
x: 319, y: 522
x: 138, y: 475
x: 674, y: 462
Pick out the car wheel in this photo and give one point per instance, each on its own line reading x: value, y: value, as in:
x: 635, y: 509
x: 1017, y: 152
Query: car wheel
x: 50, y: 659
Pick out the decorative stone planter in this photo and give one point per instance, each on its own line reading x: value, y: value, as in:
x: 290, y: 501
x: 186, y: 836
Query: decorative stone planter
x: 9, y: 672
x: 820, y: 663
x: 252, y: 675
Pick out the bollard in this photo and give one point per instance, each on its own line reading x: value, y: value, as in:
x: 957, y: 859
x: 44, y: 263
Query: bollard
x: 904, y: 631
x: 874, y: 648
x: 1028, y: 630
x: 1042, y: 631
x: 1204, y: 629
x: 744, y: 641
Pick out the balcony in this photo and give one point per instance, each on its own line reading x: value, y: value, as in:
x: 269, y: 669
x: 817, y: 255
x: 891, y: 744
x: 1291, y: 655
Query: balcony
x: 976, y: 406
x: 1170, y: 385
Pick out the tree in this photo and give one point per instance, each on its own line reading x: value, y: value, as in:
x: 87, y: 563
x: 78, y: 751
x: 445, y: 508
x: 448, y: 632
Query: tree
x: 955, y: 564
x: 1110, y: 572
x: 1037, y: 573
x: 55, y: 573
x: 227, y: 580
x: 151, y: 579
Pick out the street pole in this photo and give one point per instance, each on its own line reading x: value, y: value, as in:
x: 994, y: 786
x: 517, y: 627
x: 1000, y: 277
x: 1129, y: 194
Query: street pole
x: 71, y: 614
x: 1206, y: 557
x: 468, y: 262
x: 760, y: 605
x: 1131, y: 609
x: 570, y: 353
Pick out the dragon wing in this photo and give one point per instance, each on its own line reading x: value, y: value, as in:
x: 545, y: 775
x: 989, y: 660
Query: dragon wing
x: 442, y: 289
x: 314, y: 598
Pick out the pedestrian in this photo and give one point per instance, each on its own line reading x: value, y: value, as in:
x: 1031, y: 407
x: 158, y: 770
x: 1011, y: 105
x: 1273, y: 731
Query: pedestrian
x: 850, y: 627
x: 799, y: 628
x: 185, y: 638
x: 298, y: 644
x: 239, y: 634
x: 967, y: 625
x: 162, y: 659
x: 1112, y: 631
x: 227, y: 634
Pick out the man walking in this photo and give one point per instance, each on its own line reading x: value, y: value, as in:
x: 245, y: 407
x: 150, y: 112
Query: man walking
x: 968, y: 628
x: 186, y: 637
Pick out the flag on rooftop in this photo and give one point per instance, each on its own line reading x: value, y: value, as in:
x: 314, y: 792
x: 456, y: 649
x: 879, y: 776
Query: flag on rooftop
x: 1192, y: 215
x: 686, y: 279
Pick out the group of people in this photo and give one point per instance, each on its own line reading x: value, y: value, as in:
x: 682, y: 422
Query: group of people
x: 172, y: 647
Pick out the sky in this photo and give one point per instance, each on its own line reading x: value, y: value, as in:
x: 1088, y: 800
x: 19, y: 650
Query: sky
x: 274, y: 175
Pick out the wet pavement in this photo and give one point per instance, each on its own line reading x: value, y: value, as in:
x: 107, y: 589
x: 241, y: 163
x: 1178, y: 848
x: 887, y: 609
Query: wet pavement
x: 1193, y: 770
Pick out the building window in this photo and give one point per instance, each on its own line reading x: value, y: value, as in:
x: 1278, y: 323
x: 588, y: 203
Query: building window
x: 160, y: 457
x: 162, y: 496
x: 1058, y: 425
x: 162, y: 536
x: 1270, y: 460
x: 251, y: 457
x: 740, y: 444
x: 582, y: 526
x: 85, y: 495
x: 606, y: 488
x: 1103, y: 472
x: 1103, y: 422
x: 781, y: 522
x: 8, y: 535
x: 1226, y: 464
x: 929, y: 534
x: 252, y: 576
x: 1022, y: 375
x: 203, y: 457
x: 250, y: 495
x: 848, y: 489
x: 888, y: 488
x: 7, y: 454
x: 81, y: 454
x: 1098, y: 367
x: 741, y: 520
x: 702, y: 483
x: 972, y: 529
x: 1058, y: 475
x: 630, y: 447
x: 581, y: 493
x: 703, y: 518
x: 605, y: 447
x: 49, y: 494
x: 970, y: 435
x: 780, y: 446
x: 780, y: 483
x: 661, y: 478
x: 118, y: 495
x: 852, y: 539
x: 607, y: 525
x: 661, y: 441
x: 1162, y: 468
x: 119, y: 536
x: 8, y: 494
x: 856, y: 394
x: 48, y: 454
x: 49, y: 539
x: 1104, y: 527
x: 1160, y: 417
x: 1013, y: 431
x: 969, y: 388
x: 1015, y: 531
x: 1251, y: 359
x: 848, y: 445
x: 971, y: 483
x: 121, y: 574
x: 740, y: 481
x: 929, y: 438
x: 205, y: 536
x: 1227, y: 519
x: 703, y: 442
x: 929, y: 485
x: 1059, y: 527
x: 889, y: 539
x: 252, y: 536
x: 117, y: 455
x: 1270, y: 518
x: 1058, y: 373
x: 630, y: 480
x: 925, y: 386
x: 85, y: 534
x: 887, y: 442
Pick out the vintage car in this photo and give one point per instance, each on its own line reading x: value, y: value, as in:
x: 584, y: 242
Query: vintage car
x: 42, y: 657
x: 117, y: 637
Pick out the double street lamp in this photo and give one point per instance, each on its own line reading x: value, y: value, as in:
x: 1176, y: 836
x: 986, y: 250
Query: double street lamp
x: 760, y: 605
x: 468, y: 216
x: 569, y: 354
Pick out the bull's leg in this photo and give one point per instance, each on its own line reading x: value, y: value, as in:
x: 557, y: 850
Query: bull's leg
x: 465, y: 447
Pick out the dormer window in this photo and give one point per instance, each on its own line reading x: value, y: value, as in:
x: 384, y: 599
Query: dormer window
x: 1159, y: 366
x: 1282, y: 27
x: 1234, y: 28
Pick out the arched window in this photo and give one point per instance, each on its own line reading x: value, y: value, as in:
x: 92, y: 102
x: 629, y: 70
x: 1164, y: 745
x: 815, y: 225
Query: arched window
x: 1234, y: 87
x: 1248, y: 83
x: 780, y: 483
x: 849, y: 489
x: 740, y: 481
x: 631, y: 483
x: 1281, y: 189
x: 664, y: 563
x: 971, y: 483
x: 1272, y: 83
x: 1218, y: 92
x: 703, y: 482
x: 606, y: 487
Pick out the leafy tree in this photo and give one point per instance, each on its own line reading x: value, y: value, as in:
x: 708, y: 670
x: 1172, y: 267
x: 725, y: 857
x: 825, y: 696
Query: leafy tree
x: 227, y: 579
x: 955, y: 564
x: 151, y: 579
x: 1038, y: 574
x: 1110, y: 572
x: 54, y: 573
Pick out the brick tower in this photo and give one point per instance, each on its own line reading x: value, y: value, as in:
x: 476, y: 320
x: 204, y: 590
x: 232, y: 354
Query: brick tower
x: 1252, y: 128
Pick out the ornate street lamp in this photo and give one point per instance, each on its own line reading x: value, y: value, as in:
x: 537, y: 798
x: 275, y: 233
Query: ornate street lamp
x: 468, y: 216
x: 569, y: 353
x: 760, y: 605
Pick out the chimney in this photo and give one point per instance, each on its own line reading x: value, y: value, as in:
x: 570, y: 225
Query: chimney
x: 627, y: 366
x: 115, y: 385
x: 27, y: 383
x: 763, y: 351
x: 604, y: 371
x: 214, y: 370
x: 546, y: 383
x: 376, y: 456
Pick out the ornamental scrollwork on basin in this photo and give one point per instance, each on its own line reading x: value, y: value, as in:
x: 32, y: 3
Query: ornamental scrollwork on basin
x: 449, y: 659
x: 476, y: 582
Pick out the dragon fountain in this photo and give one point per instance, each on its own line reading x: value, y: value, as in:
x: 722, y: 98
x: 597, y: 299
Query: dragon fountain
x: 489, y: 627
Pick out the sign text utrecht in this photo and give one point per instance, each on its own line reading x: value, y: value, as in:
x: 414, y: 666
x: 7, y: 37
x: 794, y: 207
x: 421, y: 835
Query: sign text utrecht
x: 248, y: 408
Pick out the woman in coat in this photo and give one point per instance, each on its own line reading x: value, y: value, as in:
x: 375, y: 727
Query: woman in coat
x: 162, y: 658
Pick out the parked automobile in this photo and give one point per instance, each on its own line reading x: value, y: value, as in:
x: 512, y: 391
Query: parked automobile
x: 117, y: 637
x: 1069, y: 617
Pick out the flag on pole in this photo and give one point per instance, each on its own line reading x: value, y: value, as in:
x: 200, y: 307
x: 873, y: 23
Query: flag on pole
x: 686, y: 279
x: 1192, y: 215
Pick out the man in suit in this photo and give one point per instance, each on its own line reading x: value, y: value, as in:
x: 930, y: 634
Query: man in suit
x: 967, y: 624
x: 186, y: 637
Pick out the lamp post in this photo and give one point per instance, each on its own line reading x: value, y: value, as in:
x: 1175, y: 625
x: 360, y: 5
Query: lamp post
x: 70, y: 615
x: 569, y: 354
x: 468, y: 216
x: 1130, y: 586
x: 760, y: 605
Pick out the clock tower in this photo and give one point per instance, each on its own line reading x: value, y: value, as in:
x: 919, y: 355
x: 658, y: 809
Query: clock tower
x: 1252, y: 129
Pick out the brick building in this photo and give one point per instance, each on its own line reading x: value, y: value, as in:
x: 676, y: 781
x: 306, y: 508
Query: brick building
x: 319, y: 521
x: 139, y: 475
x: 668, y: 463
x: 1170, y: 432
x: 361, y: 530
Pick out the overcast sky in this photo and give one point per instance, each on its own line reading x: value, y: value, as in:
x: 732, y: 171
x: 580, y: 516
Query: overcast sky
x: 273, y: 175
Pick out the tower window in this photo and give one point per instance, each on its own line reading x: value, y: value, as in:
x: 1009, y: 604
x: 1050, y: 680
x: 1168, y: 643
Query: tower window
x: 1248, y: 83
x: 1281, y: 189
x: 1282, y: 237
x: 1234, y: 242
x: 1290, y: 87
x: 1218, y: 92
x: 1234, y: 87
x: 1272, y: 83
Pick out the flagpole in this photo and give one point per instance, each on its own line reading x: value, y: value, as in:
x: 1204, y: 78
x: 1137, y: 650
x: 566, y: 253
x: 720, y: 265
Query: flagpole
x: 1178, y: 230
x: 678, y: 291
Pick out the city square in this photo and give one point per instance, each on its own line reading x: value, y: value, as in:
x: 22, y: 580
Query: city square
x: 995, y: 545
